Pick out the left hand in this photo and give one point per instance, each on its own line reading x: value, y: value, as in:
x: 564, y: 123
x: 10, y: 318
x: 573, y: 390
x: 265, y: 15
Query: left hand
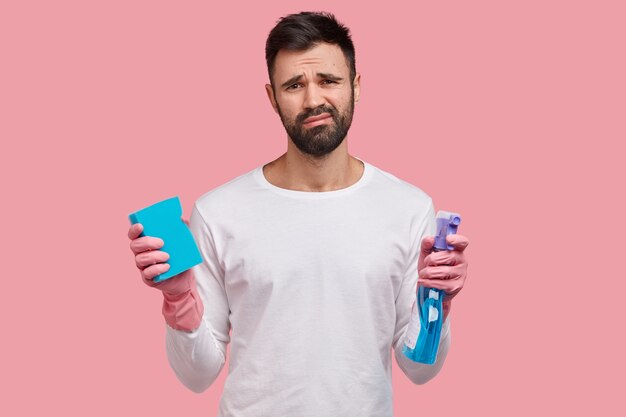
x: 444, y: 270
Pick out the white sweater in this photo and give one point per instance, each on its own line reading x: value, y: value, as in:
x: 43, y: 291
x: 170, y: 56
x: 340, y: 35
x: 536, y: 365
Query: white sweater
x: 317, y: 288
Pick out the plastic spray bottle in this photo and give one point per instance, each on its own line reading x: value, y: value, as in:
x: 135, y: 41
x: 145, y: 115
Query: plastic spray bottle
x: 422, y: 339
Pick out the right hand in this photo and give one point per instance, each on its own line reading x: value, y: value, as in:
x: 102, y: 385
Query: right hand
x: 151, y: 262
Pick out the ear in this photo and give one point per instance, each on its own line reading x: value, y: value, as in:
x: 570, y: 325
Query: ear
x: 357, y: 86
x: 270, y: 96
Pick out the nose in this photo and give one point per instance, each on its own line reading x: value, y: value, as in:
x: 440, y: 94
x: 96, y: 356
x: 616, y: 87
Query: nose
x: 314, y: 97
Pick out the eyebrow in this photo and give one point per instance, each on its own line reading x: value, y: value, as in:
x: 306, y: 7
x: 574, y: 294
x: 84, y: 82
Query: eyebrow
x: 319, y: 74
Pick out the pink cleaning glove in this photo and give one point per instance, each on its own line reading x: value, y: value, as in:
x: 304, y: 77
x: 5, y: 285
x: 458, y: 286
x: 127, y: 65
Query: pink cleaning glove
x: 444, y: 270
x: 182, y: 306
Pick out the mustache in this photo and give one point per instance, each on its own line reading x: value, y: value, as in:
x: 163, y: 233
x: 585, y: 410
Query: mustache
x: 316, y: 112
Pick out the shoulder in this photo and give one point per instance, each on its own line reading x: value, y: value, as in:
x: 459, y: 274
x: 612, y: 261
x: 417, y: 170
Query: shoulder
x: 226, y: 195
x: 399, y: 190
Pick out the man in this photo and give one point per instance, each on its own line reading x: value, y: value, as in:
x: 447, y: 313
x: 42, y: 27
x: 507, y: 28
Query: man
x: 312, y: 259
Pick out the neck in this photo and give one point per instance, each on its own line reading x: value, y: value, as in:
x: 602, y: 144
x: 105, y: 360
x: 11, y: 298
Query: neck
x: 296, y: 171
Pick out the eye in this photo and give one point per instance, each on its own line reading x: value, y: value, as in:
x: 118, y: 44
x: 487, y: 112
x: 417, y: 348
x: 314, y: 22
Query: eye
x: 292, y: 85
x: 331, y: 81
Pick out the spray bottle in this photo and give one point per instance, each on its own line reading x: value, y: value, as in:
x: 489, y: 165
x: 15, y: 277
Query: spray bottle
x: 422, y: 339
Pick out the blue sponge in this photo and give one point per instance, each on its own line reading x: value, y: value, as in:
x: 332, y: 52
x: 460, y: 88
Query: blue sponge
x: 164, y: 220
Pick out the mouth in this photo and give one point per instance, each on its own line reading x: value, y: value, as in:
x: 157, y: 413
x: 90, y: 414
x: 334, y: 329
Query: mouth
x: 315, y: 120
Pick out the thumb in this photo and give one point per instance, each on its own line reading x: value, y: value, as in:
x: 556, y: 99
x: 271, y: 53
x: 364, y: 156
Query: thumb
x: 185, y: 221
x: 426, y: 247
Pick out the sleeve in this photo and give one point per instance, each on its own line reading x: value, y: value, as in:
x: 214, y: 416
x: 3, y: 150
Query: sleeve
x: 418, y: 373
x: 197, y: 357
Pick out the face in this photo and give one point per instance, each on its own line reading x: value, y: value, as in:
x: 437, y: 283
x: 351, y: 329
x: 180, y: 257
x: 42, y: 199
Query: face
x: 314, y: 97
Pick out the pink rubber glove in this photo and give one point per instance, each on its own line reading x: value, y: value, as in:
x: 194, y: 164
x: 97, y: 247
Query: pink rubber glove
x: 182, y: 306
x: 444, y: 270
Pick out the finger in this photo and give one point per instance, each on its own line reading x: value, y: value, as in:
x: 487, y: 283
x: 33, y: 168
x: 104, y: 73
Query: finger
x: 145, y: 243
x: 433, y: 283
x: 151, y: 257
x: 152, y: 271
x: 186, y: 222
x: 441, y: 272
x: 442, y: 258
x: 135, y: 230
x: 450, y: 287
x: 459, y: 242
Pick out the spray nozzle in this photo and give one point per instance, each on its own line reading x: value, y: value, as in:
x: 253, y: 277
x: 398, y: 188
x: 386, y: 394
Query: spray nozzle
x: 447, y: 224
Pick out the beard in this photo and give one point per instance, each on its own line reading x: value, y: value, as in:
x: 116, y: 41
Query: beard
x: 319, y: 140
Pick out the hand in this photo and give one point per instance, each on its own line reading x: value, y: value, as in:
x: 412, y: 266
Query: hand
x: 152, y: 262
x: 182, y: 306
x: 444, y: 270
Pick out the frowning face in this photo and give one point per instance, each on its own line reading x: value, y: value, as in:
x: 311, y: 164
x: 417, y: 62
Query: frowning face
x: 314, y: 97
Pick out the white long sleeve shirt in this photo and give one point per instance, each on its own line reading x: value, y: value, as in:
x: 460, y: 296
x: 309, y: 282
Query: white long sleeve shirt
x: 317, y: 288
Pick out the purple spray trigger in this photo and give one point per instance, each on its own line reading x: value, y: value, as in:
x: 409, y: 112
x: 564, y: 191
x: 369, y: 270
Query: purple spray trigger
x: 447, y: 224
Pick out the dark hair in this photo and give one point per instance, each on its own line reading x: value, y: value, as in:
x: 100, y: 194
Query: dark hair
x: 305, y: 30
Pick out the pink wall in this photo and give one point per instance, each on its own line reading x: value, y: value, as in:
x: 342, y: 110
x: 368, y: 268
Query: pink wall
x: 512, y: 115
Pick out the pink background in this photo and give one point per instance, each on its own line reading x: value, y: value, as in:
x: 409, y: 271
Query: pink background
x: 511, y: 113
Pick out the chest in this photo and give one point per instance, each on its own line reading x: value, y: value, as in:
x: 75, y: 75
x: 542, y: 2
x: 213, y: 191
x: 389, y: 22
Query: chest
x: 315, y: 253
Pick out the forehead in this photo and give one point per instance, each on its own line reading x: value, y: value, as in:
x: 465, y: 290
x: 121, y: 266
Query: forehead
x: 324, y: 57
